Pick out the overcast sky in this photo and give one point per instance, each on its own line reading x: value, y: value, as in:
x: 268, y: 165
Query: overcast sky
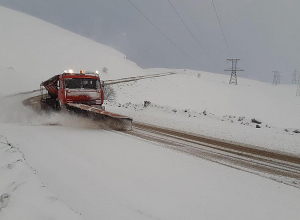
x: 264, y: 34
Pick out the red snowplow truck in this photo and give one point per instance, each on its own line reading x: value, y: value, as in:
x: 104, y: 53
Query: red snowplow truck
x: 81, y: 93
x: 69, y: 87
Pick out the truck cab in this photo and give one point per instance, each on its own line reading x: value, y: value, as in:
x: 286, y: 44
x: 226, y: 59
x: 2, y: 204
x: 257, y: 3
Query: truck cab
x: 77, y: 88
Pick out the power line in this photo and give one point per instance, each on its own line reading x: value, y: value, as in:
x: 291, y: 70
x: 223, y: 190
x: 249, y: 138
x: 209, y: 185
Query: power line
x: 192, y: 17
x: 212, y: 1
x: 164, y: 34
x: 193, y: 34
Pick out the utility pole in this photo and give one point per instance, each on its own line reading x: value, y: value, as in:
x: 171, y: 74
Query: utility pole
x: 233, y: 69
x: 294, y: 81
x: 276, y: 79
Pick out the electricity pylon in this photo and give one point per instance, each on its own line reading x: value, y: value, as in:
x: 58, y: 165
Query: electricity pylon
x: 298, y: 86
x: 276, y: 79
x: 233, y: 69
x: 294, y: 81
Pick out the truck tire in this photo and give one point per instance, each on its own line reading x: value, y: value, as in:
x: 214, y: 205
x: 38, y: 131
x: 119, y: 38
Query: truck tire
x: 58, y: 105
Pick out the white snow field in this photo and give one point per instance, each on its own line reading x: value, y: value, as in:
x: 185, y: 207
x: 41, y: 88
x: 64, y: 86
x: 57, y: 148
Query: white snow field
x: 33, y: 50
x: 205, y: 103
x: 59, y: 166
x: 107, y: 175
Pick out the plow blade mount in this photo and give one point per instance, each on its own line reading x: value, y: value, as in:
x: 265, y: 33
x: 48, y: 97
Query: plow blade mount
x: 112, y: 120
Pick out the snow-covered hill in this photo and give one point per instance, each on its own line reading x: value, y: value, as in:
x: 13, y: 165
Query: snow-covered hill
x: 33, y: 50
x: 52, y: 172
x: 199, y: 91
x: 204, y: 103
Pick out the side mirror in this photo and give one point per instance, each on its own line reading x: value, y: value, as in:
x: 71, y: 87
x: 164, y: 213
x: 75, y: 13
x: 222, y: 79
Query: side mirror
x: 102, y: 83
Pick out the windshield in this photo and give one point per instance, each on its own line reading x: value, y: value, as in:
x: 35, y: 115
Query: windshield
x: 82, y: 83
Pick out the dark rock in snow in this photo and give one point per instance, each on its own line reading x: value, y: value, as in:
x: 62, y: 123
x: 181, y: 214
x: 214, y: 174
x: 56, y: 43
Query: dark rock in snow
x: 253, y: 120
x: 146, y: 103
x: 297, y: 131
x: 257, y: 126
x: 241, y: 118
x: 204, y: 112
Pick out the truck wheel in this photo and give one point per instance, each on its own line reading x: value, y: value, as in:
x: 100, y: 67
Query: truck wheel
x: 58, y: 105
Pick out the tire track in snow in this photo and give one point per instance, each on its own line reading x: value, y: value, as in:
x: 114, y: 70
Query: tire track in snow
x: 277, y: 166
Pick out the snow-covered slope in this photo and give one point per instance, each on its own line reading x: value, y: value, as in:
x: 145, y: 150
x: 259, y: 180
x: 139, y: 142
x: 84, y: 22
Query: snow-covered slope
x: 206, y: 104
x: 201, y: 91
x: 22, y: 193
x: 33, y: 50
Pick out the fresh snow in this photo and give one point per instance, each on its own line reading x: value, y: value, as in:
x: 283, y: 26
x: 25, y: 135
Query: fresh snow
x: 33, y: 50
x: 204, y: 103
x: 23, y: 195
x: 58, y: 166
x: 108, y: 175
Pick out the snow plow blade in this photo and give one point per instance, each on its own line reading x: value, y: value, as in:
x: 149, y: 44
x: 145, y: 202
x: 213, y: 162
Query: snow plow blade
x: 112, y: 120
